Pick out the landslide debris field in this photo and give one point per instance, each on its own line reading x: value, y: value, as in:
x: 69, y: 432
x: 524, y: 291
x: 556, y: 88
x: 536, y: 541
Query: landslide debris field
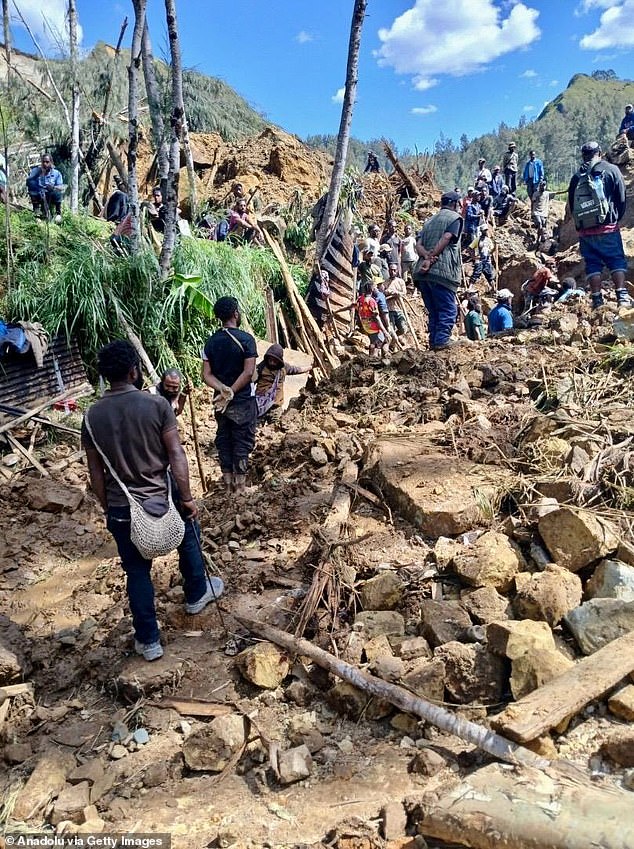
x: 482, y: 548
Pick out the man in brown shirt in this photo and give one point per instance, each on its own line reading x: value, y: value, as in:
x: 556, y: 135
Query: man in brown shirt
x: 138, y: 434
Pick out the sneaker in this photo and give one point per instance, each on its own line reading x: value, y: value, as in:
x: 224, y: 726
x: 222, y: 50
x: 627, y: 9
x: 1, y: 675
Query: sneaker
x: 597, y: 300
x: 58, y: 219
x: 216, y: 589
x: 149, y: 651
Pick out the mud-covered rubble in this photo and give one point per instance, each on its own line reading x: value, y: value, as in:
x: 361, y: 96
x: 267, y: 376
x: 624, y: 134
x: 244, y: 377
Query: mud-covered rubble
x: 470, y: 602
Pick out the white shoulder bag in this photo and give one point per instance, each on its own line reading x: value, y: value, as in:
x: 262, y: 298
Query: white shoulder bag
x: 153, y: 536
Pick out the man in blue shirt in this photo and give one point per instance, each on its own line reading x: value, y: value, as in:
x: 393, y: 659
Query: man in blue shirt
x: 44, y: 185
x: 501, y: 316
x: 533, y: 173
x: 627, y: 124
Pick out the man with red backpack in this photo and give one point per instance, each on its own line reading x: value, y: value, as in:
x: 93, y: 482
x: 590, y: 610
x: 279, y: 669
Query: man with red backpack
x: 596, y: 196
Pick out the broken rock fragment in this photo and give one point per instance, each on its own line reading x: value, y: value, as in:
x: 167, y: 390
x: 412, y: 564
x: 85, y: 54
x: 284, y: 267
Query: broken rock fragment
x: 492, y: 561
x: 264, y: 665
x: 599, y: 621
x: 472, y: 673
x: 382, y: 592
x: 211, y: 748
x: 443, y: 621
x: 547, y: 596
x: 576, y: 538
x: 612, y: 579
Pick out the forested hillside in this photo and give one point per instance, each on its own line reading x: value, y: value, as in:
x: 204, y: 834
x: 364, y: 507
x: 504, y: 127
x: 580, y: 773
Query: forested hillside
x: 591, y: 107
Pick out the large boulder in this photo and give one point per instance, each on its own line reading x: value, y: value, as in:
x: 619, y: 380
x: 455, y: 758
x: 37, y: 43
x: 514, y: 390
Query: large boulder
x: 599, y: 621
x: 47, y: 780
x: 576, y: 538
x: 441, y: 496
x: 492, y: 561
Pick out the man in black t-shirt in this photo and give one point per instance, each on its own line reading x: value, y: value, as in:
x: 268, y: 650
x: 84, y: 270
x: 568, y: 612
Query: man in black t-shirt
x: 228, y: 365
x: 138, y: 434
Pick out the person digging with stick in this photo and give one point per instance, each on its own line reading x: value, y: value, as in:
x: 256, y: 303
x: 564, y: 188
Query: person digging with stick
x: 171, y: 387
x: 134, y: 452
x: 229, y: 360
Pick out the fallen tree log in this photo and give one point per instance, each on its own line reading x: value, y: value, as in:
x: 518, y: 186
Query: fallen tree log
x: 564, y: 696
x: 479, y: 736
x: 524, y: 808
x: 410, y: 185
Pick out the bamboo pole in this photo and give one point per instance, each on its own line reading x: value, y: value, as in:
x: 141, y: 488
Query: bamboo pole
x: 477, y: 735
x: 409, y: 322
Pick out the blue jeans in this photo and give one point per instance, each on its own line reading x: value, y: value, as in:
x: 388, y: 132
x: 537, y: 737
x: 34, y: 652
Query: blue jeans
x: 138, y: 568
x: 441, y: 305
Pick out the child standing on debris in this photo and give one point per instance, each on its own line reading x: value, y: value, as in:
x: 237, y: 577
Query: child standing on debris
x: 370, y: 319
x: 395, y: 291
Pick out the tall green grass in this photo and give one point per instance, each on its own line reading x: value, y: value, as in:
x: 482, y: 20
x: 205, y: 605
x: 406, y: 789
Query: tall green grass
x: 68, y: 278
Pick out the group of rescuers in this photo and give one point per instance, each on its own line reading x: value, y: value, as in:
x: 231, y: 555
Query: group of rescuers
x: 135, y: 434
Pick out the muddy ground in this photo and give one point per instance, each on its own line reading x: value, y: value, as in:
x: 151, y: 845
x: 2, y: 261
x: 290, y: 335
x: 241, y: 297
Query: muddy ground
x: 497, y: 423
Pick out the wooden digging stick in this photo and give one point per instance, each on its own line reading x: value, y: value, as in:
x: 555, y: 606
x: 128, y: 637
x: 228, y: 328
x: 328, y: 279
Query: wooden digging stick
x: 409, y: 322
x: 199, y: 459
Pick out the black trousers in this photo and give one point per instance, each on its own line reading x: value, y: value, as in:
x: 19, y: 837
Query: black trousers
x: 511, y: 179
x: 235, y: 435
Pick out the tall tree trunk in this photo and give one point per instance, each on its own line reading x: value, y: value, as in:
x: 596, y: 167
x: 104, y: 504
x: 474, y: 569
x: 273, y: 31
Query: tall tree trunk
x: 341, y: 153
x: 133, y: 121
x: 74, y: 134
x: 7, y: 38
x: 178, y: 127
x: 154, y: 103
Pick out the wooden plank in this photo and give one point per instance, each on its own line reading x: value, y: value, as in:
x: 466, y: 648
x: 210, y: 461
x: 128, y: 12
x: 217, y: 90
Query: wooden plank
x: 11, y: 690
x: 77, y: 391
x: 28, y: 455
x: 548, y: 706
x: 195, y: 707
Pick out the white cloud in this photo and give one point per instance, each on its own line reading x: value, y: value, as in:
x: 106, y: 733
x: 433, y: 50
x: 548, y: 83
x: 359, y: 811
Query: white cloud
x: 47, y: 20
x: 616, y: 28
x: 526, y: 109
x: 454, y: 38
x: 553, y: 83
x: 424, y: 110
x: 338, y: 95
x: 588, y: 5
x: 529, y: 74
x: 304, y: 37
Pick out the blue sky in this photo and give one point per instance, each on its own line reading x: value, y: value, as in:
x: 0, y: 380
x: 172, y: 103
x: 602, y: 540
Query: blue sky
x: 426, y: 67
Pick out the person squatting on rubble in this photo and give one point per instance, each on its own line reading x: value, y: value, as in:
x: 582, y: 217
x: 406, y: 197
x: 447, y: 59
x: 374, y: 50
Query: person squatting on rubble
x: 483, y: 264
x: 170, y: 387
x: 501, y: 316
x: 372, y: 165
x: 269, y: 387
x: 540, y: 280
x: 136, y: 434
x: 45, y: 186
x: 229, y: 360
x: 243, y: 227
x: 438, y: 273
x: 473, y: 321
x: 118, y: 202
x: 596, y: 196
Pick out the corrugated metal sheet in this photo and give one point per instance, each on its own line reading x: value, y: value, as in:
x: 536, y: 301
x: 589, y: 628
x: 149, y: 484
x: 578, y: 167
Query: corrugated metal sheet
x: 22, y: 382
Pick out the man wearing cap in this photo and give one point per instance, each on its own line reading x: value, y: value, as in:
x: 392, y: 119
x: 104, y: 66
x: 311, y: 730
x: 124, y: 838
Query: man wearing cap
x: 533, y: 173
x: 600, y: 242
x: 627, y: 124
x: 501, y: 316
x: 438, y: 273
x: 510, y: 164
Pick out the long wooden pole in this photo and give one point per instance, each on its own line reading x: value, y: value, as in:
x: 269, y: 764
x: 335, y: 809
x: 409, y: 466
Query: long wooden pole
x: 77, y: 391
x: 199, y: 459
x: 479, y: 736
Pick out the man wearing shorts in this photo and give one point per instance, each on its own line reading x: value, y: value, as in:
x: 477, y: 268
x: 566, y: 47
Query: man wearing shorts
x: 602, y: 246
